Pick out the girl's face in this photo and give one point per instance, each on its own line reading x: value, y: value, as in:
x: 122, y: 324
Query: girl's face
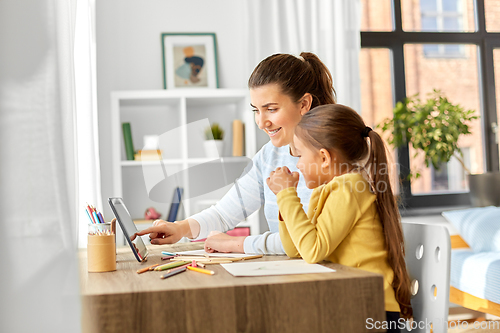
x: 276, y: 113
x: 313, y: 164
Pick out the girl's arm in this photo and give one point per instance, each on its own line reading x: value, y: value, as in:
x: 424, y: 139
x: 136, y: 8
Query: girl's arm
x: 316, y: 242
x: 287, y: 241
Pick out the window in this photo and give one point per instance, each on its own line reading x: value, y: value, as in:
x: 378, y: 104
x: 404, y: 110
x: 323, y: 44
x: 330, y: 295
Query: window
x: 435, y: 44
x: 442, y: 15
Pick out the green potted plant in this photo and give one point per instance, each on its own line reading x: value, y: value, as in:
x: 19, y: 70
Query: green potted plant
x: 214, y: 134
x: 432, y: 127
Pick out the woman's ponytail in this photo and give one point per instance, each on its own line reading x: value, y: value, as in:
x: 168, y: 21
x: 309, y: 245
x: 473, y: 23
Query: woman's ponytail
x: 322, y: 91
x: 296, y: 76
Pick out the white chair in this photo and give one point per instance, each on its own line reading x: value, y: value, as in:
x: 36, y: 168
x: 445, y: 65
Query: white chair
x: 428, y: 253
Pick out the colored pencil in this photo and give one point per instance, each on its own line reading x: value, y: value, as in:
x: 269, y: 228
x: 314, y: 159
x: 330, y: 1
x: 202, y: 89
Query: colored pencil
x: 86, y: 211
x: 171, y: 265
x: 200, y: 270
x: 145, y: 269
x: 173, y: 272
x: 99, y: 215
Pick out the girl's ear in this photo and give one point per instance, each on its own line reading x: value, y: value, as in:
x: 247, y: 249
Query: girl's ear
x: 305, y: 103
x: 326, y: 158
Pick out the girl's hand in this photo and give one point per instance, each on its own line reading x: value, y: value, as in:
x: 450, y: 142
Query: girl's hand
x: 282, y: 178
x: 220, y: 242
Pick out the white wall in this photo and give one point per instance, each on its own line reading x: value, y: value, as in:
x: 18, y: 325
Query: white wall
x: 129, y: 52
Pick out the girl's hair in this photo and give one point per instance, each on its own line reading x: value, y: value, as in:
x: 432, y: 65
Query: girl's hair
x: 340, y: 129
x: 296, y: 76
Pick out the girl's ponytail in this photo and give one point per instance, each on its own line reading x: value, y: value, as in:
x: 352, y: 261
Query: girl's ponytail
x: 378, y: 170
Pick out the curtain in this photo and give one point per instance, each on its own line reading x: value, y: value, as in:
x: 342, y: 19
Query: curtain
x: 41, y: 172
x: 89, y: 178
x: 328, y: 28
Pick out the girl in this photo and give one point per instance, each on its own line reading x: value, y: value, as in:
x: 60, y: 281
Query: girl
x: 283, y: 88
x: 352, y: 218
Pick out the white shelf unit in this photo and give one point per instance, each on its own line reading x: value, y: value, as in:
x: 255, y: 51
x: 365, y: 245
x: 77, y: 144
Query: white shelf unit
x: 156, y: 112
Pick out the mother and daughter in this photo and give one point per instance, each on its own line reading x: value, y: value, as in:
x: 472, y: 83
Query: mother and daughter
x: 321, y: 159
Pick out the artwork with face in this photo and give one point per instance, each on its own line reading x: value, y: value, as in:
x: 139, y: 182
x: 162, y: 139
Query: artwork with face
x: 188, y: 62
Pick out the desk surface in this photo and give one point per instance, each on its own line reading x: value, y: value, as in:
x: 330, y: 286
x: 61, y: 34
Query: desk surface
x: 124, y: 301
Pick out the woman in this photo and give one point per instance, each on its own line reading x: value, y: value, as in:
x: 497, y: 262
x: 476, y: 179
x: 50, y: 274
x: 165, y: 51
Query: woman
x: 283, y: 88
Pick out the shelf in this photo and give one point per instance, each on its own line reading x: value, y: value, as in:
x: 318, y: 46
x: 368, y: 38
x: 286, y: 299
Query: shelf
x: 179, y: 117
x: 155, y: 162
x: 229, y: 159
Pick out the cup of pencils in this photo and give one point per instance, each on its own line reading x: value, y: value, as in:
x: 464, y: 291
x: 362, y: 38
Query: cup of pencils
x: 101, y: 244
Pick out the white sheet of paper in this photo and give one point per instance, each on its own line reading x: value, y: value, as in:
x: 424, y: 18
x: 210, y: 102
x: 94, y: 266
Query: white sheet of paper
x: 215, y: 254
x: 279, y: 267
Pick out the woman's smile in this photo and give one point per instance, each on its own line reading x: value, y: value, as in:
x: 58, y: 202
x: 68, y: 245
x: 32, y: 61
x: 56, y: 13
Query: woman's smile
x: 273, y: 132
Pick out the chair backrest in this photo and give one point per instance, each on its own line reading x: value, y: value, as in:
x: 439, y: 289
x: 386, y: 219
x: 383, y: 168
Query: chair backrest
x: 428, y: 253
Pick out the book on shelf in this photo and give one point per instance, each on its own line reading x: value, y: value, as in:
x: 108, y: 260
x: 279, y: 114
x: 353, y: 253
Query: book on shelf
x: 238, y: 135
x: 174, y: 206
x: 148, y: 155
x: 127, y: 138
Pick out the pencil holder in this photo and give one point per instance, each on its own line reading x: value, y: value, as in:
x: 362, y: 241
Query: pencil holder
x: 101, y: 247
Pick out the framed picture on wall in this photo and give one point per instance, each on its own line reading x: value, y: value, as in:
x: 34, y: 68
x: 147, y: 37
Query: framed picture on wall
x: 189, y: 60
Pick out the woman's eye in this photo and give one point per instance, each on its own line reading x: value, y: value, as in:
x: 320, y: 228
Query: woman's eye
x: 255, y: 110
x: 272, y: 110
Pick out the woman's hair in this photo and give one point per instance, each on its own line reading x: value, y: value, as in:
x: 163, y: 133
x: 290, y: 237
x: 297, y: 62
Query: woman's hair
x: 296, y: 76
x: 340, y: 129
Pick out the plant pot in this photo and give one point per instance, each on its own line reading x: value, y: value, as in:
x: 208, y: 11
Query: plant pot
x: 485, y: 189
x: 213, y: 148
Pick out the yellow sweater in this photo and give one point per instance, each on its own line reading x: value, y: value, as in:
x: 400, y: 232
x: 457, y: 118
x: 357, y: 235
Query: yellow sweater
x: 342, y: 225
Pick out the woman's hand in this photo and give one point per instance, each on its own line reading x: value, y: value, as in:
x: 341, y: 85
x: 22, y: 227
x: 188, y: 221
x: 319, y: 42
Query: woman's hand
x: 282, y: 178
x: 163, y: 232
x: 220, y: 242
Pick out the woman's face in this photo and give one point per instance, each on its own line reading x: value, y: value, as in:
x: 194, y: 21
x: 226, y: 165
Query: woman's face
x: 276, y: 113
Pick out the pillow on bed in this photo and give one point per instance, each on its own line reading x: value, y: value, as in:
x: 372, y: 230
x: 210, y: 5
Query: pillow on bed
x: 479, y: 227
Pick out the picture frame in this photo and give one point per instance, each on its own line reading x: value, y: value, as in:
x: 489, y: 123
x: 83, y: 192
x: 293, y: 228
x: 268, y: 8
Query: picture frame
x: 189, y: 60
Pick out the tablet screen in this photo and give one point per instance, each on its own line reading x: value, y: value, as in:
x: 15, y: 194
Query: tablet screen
x: 128, y: 227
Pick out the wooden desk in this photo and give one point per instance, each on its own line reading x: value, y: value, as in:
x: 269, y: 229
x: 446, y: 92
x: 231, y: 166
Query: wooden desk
x: 124, y: 301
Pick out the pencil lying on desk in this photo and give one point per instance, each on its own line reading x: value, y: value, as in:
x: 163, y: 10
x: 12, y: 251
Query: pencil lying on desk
x: 173, y: 272
x: 145, y: 269
x: 200, y: 270
x: 216, y: 262
x: 171, y: 265
x: 253, y: 257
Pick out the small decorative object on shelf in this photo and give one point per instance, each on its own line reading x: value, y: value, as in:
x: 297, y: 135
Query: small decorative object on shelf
x: 213, y: 140
x: 148, y: 155
x: 151, y: 214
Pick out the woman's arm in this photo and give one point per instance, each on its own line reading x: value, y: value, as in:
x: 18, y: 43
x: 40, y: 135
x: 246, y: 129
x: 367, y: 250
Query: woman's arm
x: 243, y: 198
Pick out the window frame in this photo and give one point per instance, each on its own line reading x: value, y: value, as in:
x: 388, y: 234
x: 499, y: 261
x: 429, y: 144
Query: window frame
x: 485, y: 42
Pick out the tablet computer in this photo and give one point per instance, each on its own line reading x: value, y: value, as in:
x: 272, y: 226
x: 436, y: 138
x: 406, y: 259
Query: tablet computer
x: 128, y: 227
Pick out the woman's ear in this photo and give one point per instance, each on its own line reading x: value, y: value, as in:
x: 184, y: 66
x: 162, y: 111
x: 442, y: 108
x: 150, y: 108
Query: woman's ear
x: 305, y: 103
x: 326, y: 158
